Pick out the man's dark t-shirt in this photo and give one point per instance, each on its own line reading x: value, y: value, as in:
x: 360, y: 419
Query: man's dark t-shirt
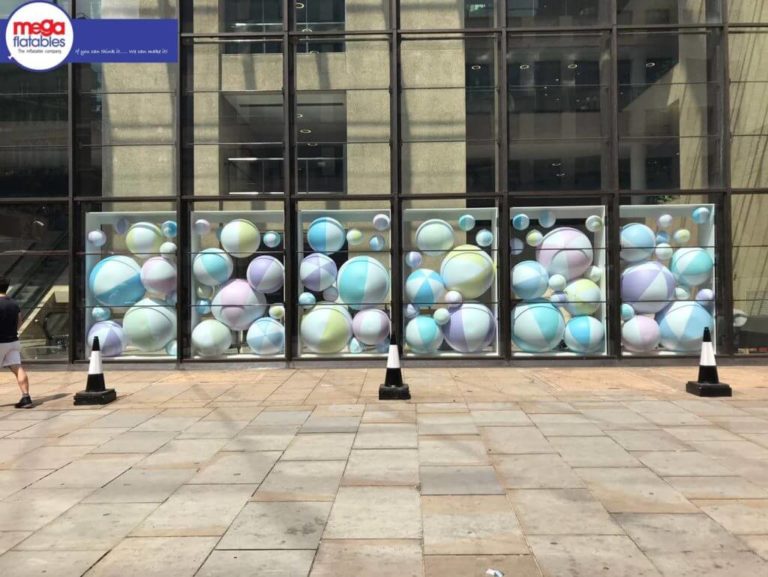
x: 9, y: 320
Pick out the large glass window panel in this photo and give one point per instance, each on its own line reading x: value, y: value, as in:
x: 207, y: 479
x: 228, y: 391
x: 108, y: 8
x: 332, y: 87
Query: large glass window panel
x: 94, y: 9
x: 450, y: 258
x: 8, y: 6
x: 748, y: 11
x: 641, y: 12
x: 530, y: 13
x: 668, y: 276
x: 344, y: 279
x: 120, y: 171
x: 448, y: 15
x: 558, y: 164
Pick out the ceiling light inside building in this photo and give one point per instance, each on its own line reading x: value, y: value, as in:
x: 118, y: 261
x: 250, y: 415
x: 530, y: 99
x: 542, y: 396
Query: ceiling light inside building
x: 573, y: 66
x: 299, y: 6
x: 650, y: 64
x: 305, y: 131
x: 476, y: 67
x: 306, y: 30
x: 525, y: 66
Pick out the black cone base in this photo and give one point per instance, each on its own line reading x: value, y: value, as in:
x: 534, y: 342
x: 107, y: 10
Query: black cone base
x: 390, y: 393
x: 95, y: 397
x: 708, y: 389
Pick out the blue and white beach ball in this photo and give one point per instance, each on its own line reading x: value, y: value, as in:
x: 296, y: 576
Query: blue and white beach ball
x: 547, y: 219
x: 584, y: 297
x: 159, y: 275
x: 211, y: 338
x: 637, y: 242
x: 116, y: 281
x: 425, y: 287
x: 537, y: 327
x: 150, y: 325
x: 566, y: 251
x: 326, y: 235
x: 423, y: 335
x: 170, y: 229
x: 326, y: 329
x: 271, y: 239
x: 468, y: 270
x: 627, y: 312
x: 521, y: 221
x: 265, y: 274
x: 111, y: 338
x: 212, y: 267
x: 240, y: 238
x: 484, y: 238
x: 700, y: 215
x: 413, y: 259
x: 664, y: 221
x: 371, y: 326
x: 381, y: 222
x: 237, y: 305
x: 377, y: 243
x: 203, y: 307
x: 647, y: 287
x: 307, y: 299
x: 662, y: 237
x: 584, y: 335
x: 97, y: 238
x: 530, y: 280
x: 101, y: 313
x: 466, y: 222
x: 470, y: 329
x: 692, y: 266
x: 363, y: 282
x: 640, y: 334
x: 442, y: 316
x: 516, y: 246
x: 202, y: 226
x: 317, y: 272
x: 682, y: 326
x: 266, y: 337
x: 434, y: 237
x: 144, y: 239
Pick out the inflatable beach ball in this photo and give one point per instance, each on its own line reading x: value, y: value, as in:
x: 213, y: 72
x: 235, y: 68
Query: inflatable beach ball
x: 584, y: 335
x: 202, y: 226
x: 266, y: 337
x: 277, y: 311
x: 521, y: 221
x: 317, y: 272
x: 265, y: 274
x: 144, y: 239
x: 170, y: 229
x: 484, y: 238
x: 377, y: 243
x: 412, y: 311
x: 381, y: 222
x: 664, y: 221
x: 326, y: 329
x: 627, y: 312
x: 159, y: 275
x: 466, y: 222
x: 423, y: 335
x: 691, y: 266
x: 534, y: 238
x: 101, y: 313
x: 116, y: 281
x: 150, y: 325
x: 516, y: 246
x: 240, y: 238
x: 326, y: 235
x: 168, y: 249
x: 111, y: 338
x: 424, y: 287
x: 530, y: 280
x: 640, y: 334
x: 363, y: 282
x: 584, y: 297
x: 594, y: 223
x: 371, y: 326
x: 331, y: 294
x: 97, y: 238
x: 442, y: 316
x: 468, y: 270
x: 557, y: 282
x: 355, y: 347
x: 537, y: 327
x: 212, y: 267
x: 211, y: 338
x: 470, y: 329
x: 121, y: 226
x: 594, y: 273
x: 700, y: 215
x: 682, y: 236
x: 453, y: 298
x: 706, y: 298
x: 637, y: 242
x: 271, y: 239
x: 547, y: 219
x: 664, y: 251
x: 413, y: 259
x: 307, y: 299
x: 566, y: 251
x: 647, y: 287
x: 172, y: 348
x: 682, y: 326
x: 237, y: 305
x: 434, y: 237
x: 203, y: 307
x: 354, y: 237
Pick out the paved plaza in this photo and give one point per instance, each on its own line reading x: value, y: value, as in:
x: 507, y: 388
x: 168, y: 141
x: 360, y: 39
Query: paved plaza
x: 557, y: 472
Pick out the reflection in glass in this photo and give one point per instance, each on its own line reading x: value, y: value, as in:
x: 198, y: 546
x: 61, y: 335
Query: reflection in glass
x: 640, y: 12
x: 527, y: 13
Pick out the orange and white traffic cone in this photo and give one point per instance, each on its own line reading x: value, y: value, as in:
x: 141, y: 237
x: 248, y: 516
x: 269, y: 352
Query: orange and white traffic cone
x: 95, y: 392
x: 394, y: 389
x: 708, y: 384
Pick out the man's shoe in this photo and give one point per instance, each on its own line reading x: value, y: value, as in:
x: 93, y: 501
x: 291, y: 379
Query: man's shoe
x: 24, y: 403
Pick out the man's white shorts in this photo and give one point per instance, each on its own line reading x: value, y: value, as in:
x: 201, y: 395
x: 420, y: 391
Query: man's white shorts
x: 10, y: 354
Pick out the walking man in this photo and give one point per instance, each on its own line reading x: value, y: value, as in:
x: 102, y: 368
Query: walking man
x: 10, y: 347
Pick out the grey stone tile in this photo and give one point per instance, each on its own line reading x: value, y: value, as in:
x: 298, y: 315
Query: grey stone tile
x: 136, y: 442
x: 330, y: 424
x: 386, y: 467
x: 717, y: 488
x: 647, y: 441
x: 320, y: 447
x: 166, y: 422
x: 90, y: 436
x: 532, y: 407
x: 446, y: 424
x: 743, y: 449
x: 742, y: 517
x: 515, y: 440
x: 386, y: 436
x: 214, y: 429
x: 90, y: 471
x: 562, y: 512
x: 375, y: 513
x: 54, y: 427
x: 183, y: 454
x: 47, y: 563
x: 49, y: 457
x: 709, y: 563
x: 30, y: 509
x: 676, y: 419
x: 12, y: 481
x: 592, y: 452
x: 682, y: 464
x: 284, y: 563
x: 9, y: 539
x: 155, y: 557
x: 277, y: 525
x: 459, y: 450
x: 232, y: 468
x: 623, y: 419
x: 461, y: 565
x: 559, y: 419
x: 570, y: 430
x: 502, y: 418
x: 142, y: 486
x: 250, y: 440
x: 460, y: 480
x: 742, y: 424
x: 374, y: 415
x: 125, y: 418
x: 354, y: 558
x: 12, y: 449
x: 686, y: 434
x: 758, y: 544
x: 536, y: 472
x: 302, y: 481
x: 281, y: 418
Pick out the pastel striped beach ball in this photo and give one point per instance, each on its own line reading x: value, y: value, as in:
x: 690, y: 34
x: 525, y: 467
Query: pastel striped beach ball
x: 692, y: 266
x: 566, y: 251
x: 471, y: 328
x: 159, y: 275
x: 307, y: 299
x: 521, y: 221
x: 530, y: 280
x: 706, y: 298
x: 484, y: 238
x: 150, y: 325
x: 326, y: 235
x: 212, y: 267
x: 584, y: 297
x: 116, y: 281
x: 170, y: 229
x: 547, y: 219
x: 682, y: 326
x: 111, y: 338
x: 647, y: 287
x: 144, y: 239
x: 271, y: 239
x: 266, y: 337
x: 637, y: 242
x: 265, y: 274
x: 640, y: 334
x: 413, y: 259
x: 584, y: 334
x: 211, y: 338
x: 371, y: 326
x: 317, y: 272
x: 466, y: 222
x: 97, y: 238
x: 240, y: 238
x: 101, y: 313
x: 425, y: 287
x: 363, y: 282
x: 627, y: 312
x: 326, y: 329
x: 700, y: 215
x: 423, y: 335
x: 537, y: 327
x: 237, y: 305
x: 434, y: 237
x: 468, y: 270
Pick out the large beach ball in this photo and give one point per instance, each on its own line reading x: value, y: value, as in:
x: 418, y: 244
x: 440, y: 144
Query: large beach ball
x: 471, y: 328
x: 637, y: 242
x: 423, y: 335
x: 116, y: 281
x: 211, y: 338
x: 111, y: 338
x: 363, y: 282
x: 212, y: 267
x: 317, y: 272
x: 326, y: 235
x: 159, y: 275
x: 468, y: 270
x: 584, y: 335
x: 326, y: 329
x: 566, y: 251
x: 434, y: 237
x: 150, y: 325
x: 425, y: 287
x: 640, y: 334
x: 237, y: 305
x: 266, y: 337
x: 682, y: 326
x: 240, y: 238
x: 265, y: 274
x: 584, y: 297
x: 144, y: 239
x: 692, y: 266
x: 537, y: 327
x: 530, y: 280
x: 647, y: 287
x: 371, y: 326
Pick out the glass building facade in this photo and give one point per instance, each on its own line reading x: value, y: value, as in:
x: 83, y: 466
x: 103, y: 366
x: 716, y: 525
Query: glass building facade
x: 483, y: 179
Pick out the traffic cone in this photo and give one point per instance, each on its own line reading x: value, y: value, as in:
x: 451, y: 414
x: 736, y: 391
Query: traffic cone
x: 95, y: 392
x: 709, y: 384
x: 394, y: 389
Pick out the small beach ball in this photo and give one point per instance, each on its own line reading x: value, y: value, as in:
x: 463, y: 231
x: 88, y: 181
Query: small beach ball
x: 116, y: 281
x: 547, y: 219
x: 584, y: 335
x: 594, y: 273
x: 534, y: 238
x: 355, y: 346
x: 637, y: 242
x: 159, y: 275
x: 627, y: 312
x: 413, y: 259
x: 211, y: 338
x: 423, y: 335
x: 204, y: 292
x: 331, y: 294
x: 121, y: 226
x: 150, y: 325
x: 557, y: 282
x: 682, y: 326
x: 516, y: 246
x: 168, y: 249
x: 202, y: 227
x: 692, y: 266
x: 706, y: 298
x: 97, y: 238
x: 470, y: 329
x: 484, y: 238
x: 453, y: 298
x: 377, y: 243
x: 566, y: 251
x: 326, y: 235
x: 371, y: 326
x: 237, y: 305
x: 664, y: 251
x: 317, y: 272
x: 647, y: 287
x: 101, y: 313
x: 640, y: 334
x: 240, y: 238
x: 111, y: 338
x: 558, y: 298
x: 682, y: 294
x: 412, y: 311
x: 468, y: 270
x: 212, y: 267
x: 682, y: 236
x: 170, y: 229
x: 700, y: 215
x: 266, y: 336
x: 434, y: 237
x: 265, y: 274
x: 381, y: 222
x: 277, y: 312
x: 203, y: 307
x: 662, y: 237
x: 363, y: 282
x: 172, y: 348
x: 326, y: 329
x: 307, y: 299
x: 521, y: 221
x: 144, y: 239
x: 584, y: 297
x: 537, y: 327
x: 664, y: 221
x: 442, y: 316
x: 354, y: 237
x: 594, y: 223
x: 530, y: 280
x: 466, y: 222
x: 271, y: 239
x: 424, y: 287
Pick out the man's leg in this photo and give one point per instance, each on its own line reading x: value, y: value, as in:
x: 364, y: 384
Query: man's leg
x: 21, y: 378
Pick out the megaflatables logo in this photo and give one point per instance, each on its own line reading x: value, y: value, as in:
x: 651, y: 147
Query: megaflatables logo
x: 39, y: 36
